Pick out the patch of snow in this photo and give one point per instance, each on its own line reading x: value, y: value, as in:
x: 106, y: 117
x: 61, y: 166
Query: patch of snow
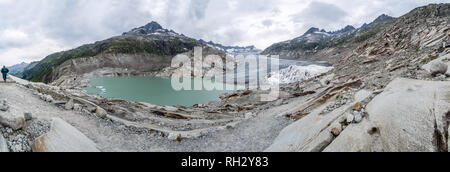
x: 324, y: 33
x: 296, y: 74
x: 216, y: 47
x: 155, y: 33
x: 173, y: 34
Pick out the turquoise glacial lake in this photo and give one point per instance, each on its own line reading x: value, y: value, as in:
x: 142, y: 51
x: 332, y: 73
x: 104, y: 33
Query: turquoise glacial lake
x: 153, y: 90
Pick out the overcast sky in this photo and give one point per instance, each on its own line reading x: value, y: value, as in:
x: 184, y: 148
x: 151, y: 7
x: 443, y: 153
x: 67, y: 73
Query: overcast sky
x: 31, y: 30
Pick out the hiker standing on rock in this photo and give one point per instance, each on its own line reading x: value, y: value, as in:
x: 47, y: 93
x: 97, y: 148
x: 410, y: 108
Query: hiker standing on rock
x: 5, y: 73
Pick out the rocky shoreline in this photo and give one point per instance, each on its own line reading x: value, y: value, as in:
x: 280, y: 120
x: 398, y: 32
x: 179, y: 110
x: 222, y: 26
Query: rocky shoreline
x: 349, y: 102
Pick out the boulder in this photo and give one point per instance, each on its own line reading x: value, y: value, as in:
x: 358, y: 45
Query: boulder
x: 100, y: 112
x: 77, y: 107
x: 313, y: 132
x: 41, y: 96
x: 48, y: 98
x: 350, y: 118
x: 69, y: 105
x: 438, y: 68
x: 4, y: 106
x: 3, y: 144
x: 357, y: 106
x: 63, y: 137
x: 356, y: 138
x: 11, y: 120
x: 411, y: 115
x: 358, y: 117
x: 336, y: 129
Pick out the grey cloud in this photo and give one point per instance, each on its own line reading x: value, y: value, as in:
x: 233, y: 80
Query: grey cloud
x: 54, y: 25
x: 197, y: 8
x: 267, y: 23
x: 79, y: 21
x: 319, y: 14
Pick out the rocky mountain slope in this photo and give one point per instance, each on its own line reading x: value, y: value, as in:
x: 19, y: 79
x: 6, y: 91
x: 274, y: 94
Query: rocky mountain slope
x: 149, y: 43
x: 18, y: 68
x: 319, y: 45
x: 385, y: 95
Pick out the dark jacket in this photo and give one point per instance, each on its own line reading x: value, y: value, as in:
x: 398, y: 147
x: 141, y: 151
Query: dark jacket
x: 5, y: 70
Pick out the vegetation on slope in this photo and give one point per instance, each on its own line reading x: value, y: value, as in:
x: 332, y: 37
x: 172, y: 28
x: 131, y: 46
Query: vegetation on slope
x: 164, y: 46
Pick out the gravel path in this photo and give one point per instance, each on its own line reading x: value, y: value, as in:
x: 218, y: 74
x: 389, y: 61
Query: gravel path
x: 252, y: 135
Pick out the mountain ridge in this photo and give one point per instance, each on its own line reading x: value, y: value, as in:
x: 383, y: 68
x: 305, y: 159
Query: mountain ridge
x: 17, y: 68
x: 150, y: 39
x: 154, y: 28
x: 315, y: 39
